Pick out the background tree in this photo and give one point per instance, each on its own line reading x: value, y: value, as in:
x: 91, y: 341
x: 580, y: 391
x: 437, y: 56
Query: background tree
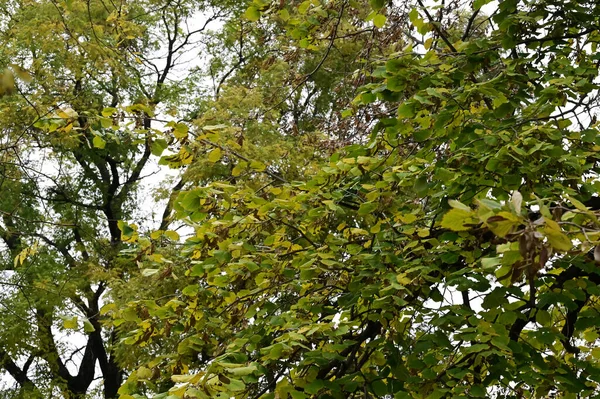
x: 83, y: 85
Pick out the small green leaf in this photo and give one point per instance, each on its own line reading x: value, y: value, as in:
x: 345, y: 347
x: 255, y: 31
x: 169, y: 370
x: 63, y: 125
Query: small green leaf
x: 238, y: 169
x: 406, y: 110
x: 126, y: 230
x: 421, y: 186
x: 158, y: 146
x: 477, y: 4
x: 88, y: 327
x: 106, y: 122
x: 284, y: 15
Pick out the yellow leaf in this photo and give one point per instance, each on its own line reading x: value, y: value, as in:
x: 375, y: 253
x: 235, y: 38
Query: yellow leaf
x: 238, y: 169
x: 70, y: 323
x: 423, y: 233
x: 501, y: 228
x: 214, y: 155
x: 173, y: 235
x: 558, y: 239
x: 144, y: 373
x: 456, y: 219
x: 258, y: 166
x: 180, y: 130
x: 377, y: 228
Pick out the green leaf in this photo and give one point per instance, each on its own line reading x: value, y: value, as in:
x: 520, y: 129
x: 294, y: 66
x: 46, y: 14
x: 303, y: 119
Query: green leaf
x: 99, y: 142
x: 126, y: 230
x: 284, y: 15
x: 258, y: 166
x: 379, y: 20
x: 421, y: 186
x: 367, y: 208
x: 173, y: 235
x: 377, y: 4
x: 543, y: 317
x: 252, y: 14
x: 88, y: 328
x: 158, y: 146
x: 180, y: 130
x: 107, y: 112
x: 458, y: 205
x: 242, y: 371
x: 477, y: 4
x: 406, y: 110
x: 379, y: 388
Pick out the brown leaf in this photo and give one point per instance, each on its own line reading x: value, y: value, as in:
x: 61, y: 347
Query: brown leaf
x: 544, y: 256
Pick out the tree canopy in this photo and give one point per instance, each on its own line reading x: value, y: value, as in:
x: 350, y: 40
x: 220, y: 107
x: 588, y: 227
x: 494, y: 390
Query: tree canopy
x: 300, y: 199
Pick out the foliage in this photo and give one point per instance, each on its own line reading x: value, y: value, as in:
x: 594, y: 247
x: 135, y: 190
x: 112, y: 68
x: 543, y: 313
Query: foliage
x: 441, y: 248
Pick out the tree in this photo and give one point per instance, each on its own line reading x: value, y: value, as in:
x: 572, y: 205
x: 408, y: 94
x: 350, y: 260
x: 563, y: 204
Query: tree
x: 443, y: 248
x: 83, y: 83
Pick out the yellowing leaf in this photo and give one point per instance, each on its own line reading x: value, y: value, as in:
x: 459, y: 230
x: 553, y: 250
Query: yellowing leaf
x: 180, y: 130
x: 99, y: 142
x: 238, y: 169
x: 577, y: 204
x: 108, y: 308
x: 70, y: 323
x: 173, y: 235
x: 106, y: 112
x: 214, y: 155
x: 284, y: 15
x: 456, y: 219
x: 144, y: 373
x: 558, y: 239
x: 458, y: 205
x: 252, y: 14
x: 258, y: 166
x: 501, y: 227
x: 149, y: 272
